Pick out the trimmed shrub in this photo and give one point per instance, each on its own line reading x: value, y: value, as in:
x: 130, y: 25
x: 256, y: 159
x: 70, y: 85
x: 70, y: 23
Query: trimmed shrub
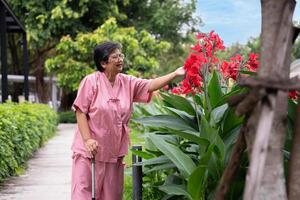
x: 67, y: 117
x: 23, y: 129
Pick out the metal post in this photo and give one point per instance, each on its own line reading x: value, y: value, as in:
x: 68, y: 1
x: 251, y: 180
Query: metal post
x: 93, y: 177
x: 137, y: 175
x: 3, y: 44
x: 53, y: 93
x: 26, y: 67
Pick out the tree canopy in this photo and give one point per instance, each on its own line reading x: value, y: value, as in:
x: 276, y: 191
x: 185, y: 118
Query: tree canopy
x: 74, y: 56
x: 48, y: 21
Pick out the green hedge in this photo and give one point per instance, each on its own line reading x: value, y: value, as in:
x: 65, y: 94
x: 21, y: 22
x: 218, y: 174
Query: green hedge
x: 67, y: 117
x: 23, y: 129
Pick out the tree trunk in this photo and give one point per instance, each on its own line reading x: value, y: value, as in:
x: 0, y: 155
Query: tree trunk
x: 265, y: 178
x: 42, y: 88
x: 17, y: 87
x: 294, y: 164
x: 66, y: 101
x: 273, y: 181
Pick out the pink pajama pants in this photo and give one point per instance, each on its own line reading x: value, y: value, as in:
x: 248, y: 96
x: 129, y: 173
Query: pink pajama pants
x: 109, y: 179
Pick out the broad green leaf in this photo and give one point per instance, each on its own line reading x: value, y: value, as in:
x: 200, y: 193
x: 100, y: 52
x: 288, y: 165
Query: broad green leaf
x: 231, y: 137
x: 164, y: 121
x: 214, y: 90
x: 184, y: 163
x: 230, y: 122
x: 160, y: 167
x: 192, y: 136
x: 213, y: 136
x: 175, y: 190
x: 184, y: 115
x: 196, y: 181
x: 179, y: 102
x: 217, y: 114
x: 173, y: 179
x: 292, y: 107
x: 142, y: 154
x: 157, y: 160
x: 199, y: 99
x: 247, y: 72
x: 225, y: 97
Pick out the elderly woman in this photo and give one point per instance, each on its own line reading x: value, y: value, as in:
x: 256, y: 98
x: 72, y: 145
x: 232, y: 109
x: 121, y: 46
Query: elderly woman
x: 103, y: 108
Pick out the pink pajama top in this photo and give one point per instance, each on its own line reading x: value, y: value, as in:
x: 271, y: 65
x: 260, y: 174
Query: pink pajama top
x: 108, y: 110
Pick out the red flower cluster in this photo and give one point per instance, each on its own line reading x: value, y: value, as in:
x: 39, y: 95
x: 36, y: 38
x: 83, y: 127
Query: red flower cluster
x: 293, y: 94
x: 252, y: 63
x: 202, y: 54
x: 230, y: 69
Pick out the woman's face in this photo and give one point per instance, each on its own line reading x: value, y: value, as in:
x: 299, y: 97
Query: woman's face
x: 115, y: 62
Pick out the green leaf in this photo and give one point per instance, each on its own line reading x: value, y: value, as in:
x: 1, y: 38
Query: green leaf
x: 179, y: 103
x: 247, y: 72
x: 196, y: 183
x: 192, y: 136
x: 230, y: 122
x: 158, y: 160
x: 217, y: 114
x: 214, y: 90
x: 164, y: 121
x: 184, y: 163
x: 213, y: 136
x: 175, y: 190
x: 225, y: 97
x: 142, y: 154
x: 189, y: 119
x: 292, y: 107
x: 199, y: 99
x: 160, y: 167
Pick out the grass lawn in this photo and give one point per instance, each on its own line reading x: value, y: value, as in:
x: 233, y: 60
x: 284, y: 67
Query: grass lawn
x: 136, y: 139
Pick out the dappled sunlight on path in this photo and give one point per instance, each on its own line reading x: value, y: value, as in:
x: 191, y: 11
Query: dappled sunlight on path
x: 48, y: 175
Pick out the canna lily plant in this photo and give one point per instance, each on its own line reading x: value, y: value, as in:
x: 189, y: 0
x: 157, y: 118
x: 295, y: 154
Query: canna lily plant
x: 191, y: 130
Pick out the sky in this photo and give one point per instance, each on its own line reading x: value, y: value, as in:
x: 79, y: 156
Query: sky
x: 234, y: 20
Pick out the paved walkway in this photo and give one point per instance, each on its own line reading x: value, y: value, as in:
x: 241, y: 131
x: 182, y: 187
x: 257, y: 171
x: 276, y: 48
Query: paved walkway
x: 48, y: 175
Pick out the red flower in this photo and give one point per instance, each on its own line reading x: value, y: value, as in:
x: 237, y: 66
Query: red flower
x: 230, y: 69
x: 293, y: 94
x: 237, y: 58
x: 200, y: 36
x: 224, y: 69
x: 218, y: 43
x: 252, y: 63
x: 176, y: 90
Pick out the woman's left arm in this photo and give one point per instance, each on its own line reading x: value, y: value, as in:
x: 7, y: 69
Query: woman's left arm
x: 160, y: 82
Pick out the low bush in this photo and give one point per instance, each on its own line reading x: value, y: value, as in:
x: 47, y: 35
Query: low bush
x: 23, y: 129
x: 67, y: 117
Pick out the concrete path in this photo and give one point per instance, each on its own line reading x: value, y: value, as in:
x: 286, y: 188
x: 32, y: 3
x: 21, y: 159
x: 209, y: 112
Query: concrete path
x: 48, y: 175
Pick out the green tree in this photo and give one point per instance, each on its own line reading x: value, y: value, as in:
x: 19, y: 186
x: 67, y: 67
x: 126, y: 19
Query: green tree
x: 47, y: 21
x: 170, y: 20
x: 74, y: 57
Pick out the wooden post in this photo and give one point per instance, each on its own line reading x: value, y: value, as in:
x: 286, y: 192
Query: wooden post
x: 265, y: 178
x: 3, y: 42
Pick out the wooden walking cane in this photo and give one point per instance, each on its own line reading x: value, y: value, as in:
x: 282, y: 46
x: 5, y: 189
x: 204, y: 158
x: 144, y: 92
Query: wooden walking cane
x: 93, y: 178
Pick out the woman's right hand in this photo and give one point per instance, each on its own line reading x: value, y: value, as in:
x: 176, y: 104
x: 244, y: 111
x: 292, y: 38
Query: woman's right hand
x: 91, y: 146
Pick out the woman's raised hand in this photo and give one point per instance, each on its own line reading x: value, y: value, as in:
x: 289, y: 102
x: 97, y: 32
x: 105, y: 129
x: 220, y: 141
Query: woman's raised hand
x: 180, y: 71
